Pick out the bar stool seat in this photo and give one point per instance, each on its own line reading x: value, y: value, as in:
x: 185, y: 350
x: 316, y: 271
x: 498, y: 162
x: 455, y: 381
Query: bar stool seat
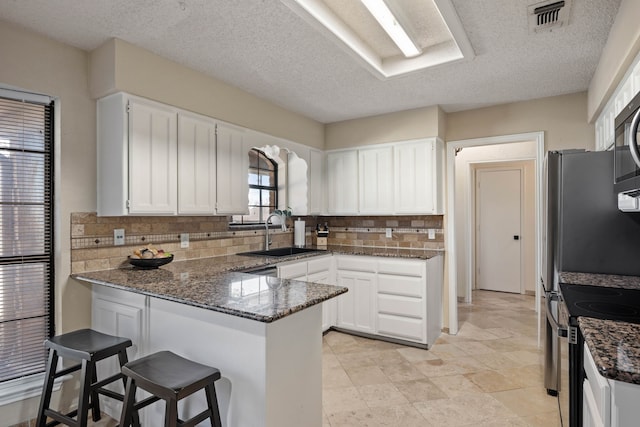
x: 171, y: 378
x: 88, y: 347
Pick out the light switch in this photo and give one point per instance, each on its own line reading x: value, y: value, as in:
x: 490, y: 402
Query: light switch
x: 432, y: 234
x: 184, y: 240
x: 118, y: 236
x: 389, y: 235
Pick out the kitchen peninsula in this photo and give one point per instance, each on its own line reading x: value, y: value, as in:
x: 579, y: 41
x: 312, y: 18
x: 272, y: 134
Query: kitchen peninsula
x: 262, y: 332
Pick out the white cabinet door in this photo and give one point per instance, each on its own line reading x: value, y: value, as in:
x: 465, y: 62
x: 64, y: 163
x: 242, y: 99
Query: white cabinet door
x: 342, y: 182
x: 112, y: 315
x: 232, y: 170
x: 375, y: 167
x: 316, y: 182
x: 293, y: 270
x: 418, y: 177
x: 196, y: 165
x: 329, y: 307
x: 153, y: 184
x: 356, y: 308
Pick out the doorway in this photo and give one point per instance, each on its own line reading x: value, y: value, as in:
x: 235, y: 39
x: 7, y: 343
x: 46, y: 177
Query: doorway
x: 498, y: 225
x: 458, y: 279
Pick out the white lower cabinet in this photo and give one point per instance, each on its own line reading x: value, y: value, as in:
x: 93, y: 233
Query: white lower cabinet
x: 356, y: 308
x: 605, y: 402
x: 316, y: 270
x: 113, y: 315
x: 389, y: 297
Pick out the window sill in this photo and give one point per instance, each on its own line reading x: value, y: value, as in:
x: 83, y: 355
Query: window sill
x: 26, y: 387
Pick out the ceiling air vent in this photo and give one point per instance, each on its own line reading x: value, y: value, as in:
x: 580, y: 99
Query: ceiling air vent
x: 548, y: 15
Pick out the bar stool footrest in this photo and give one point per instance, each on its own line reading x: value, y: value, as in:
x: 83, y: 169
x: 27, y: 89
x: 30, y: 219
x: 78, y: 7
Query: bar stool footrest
x: 195, y: 420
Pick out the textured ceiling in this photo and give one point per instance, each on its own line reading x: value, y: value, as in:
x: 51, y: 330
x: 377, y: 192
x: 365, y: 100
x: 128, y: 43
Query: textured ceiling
x: 264, y: 48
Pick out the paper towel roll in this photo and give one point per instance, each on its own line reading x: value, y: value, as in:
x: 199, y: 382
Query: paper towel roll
x: 299, y: 233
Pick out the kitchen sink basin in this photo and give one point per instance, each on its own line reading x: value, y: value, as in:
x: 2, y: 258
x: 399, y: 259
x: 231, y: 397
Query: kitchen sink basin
x: 280, y: 252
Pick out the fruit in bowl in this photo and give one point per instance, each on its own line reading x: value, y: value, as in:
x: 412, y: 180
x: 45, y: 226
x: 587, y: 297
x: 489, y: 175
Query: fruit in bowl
x: 150, y: 257
x: 149, y: 252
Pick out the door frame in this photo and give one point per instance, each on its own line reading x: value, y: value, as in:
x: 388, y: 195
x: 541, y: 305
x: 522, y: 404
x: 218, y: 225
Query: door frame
x: 474, y: 229
x: 452, y: 147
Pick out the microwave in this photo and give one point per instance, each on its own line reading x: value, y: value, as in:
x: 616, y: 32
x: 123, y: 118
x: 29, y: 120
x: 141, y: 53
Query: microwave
x: 627, y: 152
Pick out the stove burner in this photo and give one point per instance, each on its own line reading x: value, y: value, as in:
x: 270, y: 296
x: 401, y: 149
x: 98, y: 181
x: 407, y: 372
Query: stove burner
x: 593, y: 290
x: 618, y: 310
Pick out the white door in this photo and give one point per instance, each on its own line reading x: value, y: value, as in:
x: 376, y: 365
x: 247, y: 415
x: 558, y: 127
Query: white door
x: 498, y: 222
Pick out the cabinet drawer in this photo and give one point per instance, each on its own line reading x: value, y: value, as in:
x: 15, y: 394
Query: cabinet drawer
x: 399, y: 285
x: 598, y: 386
x: 401, y: 327
x: 402, y: 268
x: 319, y: 264
x: 400, y: 305
x: 289, y: 271
x: 354, y: 263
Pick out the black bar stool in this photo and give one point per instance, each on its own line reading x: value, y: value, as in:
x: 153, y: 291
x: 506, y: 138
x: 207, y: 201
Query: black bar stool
x: 88, y: 347
x: 169, y: 377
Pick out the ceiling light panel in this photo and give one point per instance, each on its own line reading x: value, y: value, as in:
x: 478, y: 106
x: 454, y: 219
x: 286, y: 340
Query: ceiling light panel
x: 433, y: 26
x: 390, y: 23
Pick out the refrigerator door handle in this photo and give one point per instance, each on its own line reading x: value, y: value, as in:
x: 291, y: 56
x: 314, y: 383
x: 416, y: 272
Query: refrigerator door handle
x: 561, y: 330
x: 633, y: 139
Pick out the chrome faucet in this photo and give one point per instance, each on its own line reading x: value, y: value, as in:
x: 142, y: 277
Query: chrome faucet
x: 283, y: 223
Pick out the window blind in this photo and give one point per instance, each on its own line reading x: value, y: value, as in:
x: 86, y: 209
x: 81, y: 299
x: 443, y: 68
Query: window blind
x: 26, y: 235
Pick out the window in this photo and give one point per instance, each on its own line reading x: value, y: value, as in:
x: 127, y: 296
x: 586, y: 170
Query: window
x: 263, y: 189
x: 26, y: 234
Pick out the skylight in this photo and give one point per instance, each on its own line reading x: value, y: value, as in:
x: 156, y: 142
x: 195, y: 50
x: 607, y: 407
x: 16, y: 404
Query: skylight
x: 431, y: 26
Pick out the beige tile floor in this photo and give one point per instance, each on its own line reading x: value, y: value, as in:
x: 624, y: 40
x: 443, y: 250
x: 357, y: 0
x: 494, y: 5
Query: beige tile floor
x: 490, y: 374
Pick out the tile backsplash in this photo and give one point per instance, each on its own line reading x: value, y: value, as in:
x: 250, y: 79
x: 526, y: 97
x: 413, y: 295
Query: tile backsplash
x: 92, y: 245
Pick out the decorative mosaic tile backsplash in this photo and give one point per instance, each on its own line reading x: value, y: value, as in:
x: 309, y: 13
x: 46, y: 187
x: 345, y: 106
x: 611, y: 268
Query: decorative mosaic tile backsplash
x: 92, y: 245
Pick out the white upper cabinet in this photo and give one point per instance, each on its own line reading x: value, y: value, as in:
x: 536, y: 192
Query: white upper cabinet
x: 232, y: 170
x: 316, y: 182
x: 418, y: 177
x: 342, y: 182
x: 398, y: 178
x: 196, y: 165
x: 137, y: 157
x: 375, y: 166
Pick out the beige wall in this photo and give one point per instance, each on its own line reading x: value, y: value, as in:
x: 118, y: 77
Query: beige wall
x: 37, y: 64
x: 120, y: 66
x: 621, y: 48
x: 410, y: 124
x: 562, y: 118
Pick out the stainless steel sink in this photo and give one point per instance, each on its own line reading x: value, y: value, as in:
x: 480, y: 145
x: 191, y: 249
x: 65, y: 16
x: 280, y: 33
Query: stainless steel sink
x: 280, y: 252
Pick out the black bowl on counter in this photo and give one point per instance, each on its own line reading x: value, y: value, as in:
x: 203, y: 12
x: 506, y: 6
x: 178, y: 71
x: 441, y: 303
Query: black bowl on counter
x: 150, y: 263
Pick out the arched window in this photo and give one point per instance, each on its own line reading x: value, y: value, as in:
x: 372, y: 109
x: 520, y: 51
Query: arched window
x: 263, y: 189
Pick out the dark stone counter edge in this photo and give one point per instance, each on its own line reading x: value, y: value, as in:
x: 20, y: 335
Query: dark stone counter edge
x: 603, y: 350
x: 237, y: 313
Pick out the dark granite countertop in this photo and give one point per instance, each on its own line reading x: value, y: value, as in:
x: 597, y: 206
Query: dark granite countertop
x: 614, y: 346
x: 605, y: 280
x: 219, y: 284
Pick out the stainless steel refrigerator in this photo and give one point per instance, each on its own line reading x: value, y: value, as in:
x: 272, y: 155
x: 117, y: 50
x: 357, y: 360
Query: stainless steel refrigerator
x: 584, y: 232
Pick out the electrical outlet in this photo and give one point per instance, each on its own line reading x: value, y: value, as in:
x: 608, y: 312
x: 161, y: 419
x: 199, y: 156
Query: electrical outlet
x: 118, y: 236
x: 432, y: 233
x: 184, y: 240
x: 388, y: 233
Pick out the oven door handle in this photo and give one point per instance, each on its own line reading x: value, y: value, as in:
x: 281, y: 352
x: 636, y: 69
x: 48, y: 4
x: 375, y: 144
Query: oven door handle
x: 562, y: 331
x: 633, y: 138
